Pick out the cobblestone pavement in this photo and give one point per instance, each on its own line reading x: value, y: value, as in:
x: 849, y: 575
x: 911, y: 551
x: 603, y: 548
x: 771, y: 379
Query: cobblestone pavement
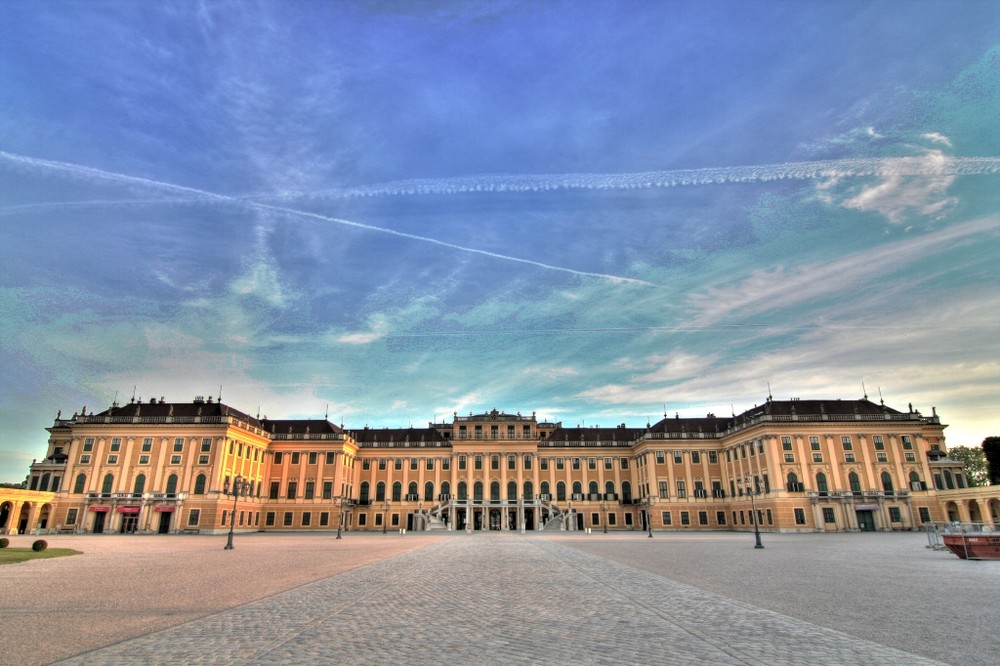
x: 496, y: 599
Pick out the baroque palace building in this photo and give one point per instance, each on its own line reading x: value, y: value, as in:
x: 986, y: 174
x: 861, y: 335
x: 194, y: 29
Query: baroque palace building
x: 796, y: 465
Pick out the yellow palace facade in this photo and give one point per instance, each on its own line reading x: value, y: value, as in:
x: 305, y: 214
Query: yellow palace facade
x: 796, y: 465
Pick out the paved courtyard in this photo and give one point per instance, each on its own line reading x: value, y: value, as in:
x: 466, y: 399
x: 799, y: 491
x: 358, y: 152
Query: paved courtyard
x: 492, y: 598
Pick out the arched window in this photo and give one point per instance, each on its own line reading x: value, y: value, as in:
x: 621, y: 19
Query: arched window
x: 821, y: 482
x: 428, y: 491
x: 544, y: 488
x: 577, y: 488
x: 199, y: 484
x: 561, y: 491
x: 609, y: 487
x: 886, y: 482
x: 915, y: 483
x: 477, y: 491
x: 81, y: 483
x: 626, y: 491
x: 109, y: 482
x: 171, y: 484
x: 793, y: 483
x: 140, y: 485
x: 512, y: 490
x: 365, y: 489
x: 397, y: 491
x: 463, y: 490
x: 855, y: 482
x: 412, y: 489
x: 593, y: 488
x: 445, y: 488
x: 529, y: 490
x: 380, y: 491
x: 495, y: 491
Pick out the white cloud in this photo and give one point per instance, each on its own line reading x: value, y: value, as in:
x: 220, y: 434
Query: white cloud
x: 378, y: 328
x: 898, y: 196
x: 937, y: 137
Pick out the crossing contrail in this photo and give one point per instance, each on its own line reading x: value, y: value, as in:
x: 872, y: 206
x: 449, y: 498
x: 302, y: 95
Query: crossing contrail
x: 90, y: 173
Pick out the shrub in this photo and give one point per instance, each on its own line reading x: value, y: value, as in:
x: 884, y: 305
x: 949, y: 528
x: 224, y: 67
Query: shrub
x: 4, y: 542
x: 39, y: 545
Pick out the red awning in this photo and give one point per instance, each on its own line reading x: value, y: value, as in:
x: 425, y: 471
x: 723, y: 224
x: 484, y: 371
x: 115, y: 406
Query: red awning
x: 163, y: 509
x: 128, y: 509
x: 100, y: 509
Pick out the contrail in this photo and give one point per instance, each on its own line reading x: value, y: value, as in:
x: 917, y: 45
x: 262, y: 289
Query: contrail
x: 90, y: 173
x: 923, y: 165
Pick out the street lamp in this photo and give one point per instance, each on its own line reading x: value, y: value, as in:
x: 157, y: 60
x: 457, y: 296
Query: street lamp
x: 341, y: 502
x: 240, y: 486
x: 385, y: 515
x: 648, y: 504
x: 753, y: 490
x: 604, y: 516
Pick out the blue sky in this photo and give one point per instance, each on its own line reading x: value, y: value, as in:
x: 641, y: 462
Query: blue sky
x: 597, y: 211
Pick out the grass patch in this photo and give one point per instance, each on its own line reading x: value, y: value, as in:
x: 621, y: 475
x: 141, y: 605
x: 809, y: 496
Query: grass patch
x: 14, y: 555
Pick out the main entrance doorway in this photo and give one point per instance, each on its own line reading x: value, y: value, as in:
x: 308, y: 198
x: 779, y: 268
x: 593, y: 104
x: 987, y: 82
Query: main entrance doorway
x: 164, y: 527
x: 866, y: 521
x: 98, y: 523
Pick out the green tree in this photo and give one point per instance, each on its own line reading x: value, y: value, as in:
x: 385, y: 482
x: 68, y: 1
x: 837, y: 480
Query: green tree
x: 974, y: 459
x: 991, y: 447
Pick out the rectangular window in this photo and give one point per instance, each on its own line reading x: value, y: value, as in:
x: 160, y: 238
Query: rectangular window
x: 591, y: 463
x: 925, y: 514
x: 446, y: 464
x: 112, y: 459
x: 324, y: 518
x: 295, y: 457
x: 527, y: 461
x: 817, y: 457
x: 147, y: 444
x: 313, y: 457
x: 479, y: 432
x: 526, y: 431
x: 194, y: 516
x: 543, y: 464
x: 789, y: 457
x: 612, y: 519
x: 274, y: 490
x: 286, y: 520
x: 608, y: 464
x: 293, y: 489
x: 881, y: 457
x: 71, y: 517
x: 331, y: 457
x: 397, y: 464
x: 661, y: 457
x: 800, y: 516
x: 910, y: 457
x: 381, y: 464
x: 511, y: 462
x: 814, y: 443
x: 595, y: 518
x: 720, y: 517
x: 310, y: 489
x: 494, y: 433
x: 143, y: 460
x: 478, y: 462
x: 306, y: 518
x: 88, y: 444
x: 269, y: 519
x: 681, y: 489
x: 206, y: 444
x: 429, y: 464
x: 879, y: 443
x: 494, y: 462
x: 462, y: 432
x: 327, y: 490
x: 623, y: 462
x: 677, y: 458
x: 394, y: 520
x: 849, y: 457
x: 84, y: 458
x: 786, y: 443
x: 576, y: 463
x: 175, y: 460
x: 907, y: 443
x: 703, y: 517
x: 116, y: 443
x: 664, y: 490
x: 695, y: 457
x: 560, y: 464
x: 278, y: 457
x: 666, y: 518
x: 362, y: 520
x: 713, y: 457
x: 366, y: 464
x: 828, y: 516
x: 510, y: 432
x: 685, y: 518
x: 845, y: 441
x: 894, y: 515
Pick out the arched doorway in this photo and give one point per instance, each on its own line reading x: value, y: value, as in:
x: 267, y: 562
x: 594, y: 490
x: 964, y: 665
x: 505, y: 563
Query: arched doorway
x: 5, y: 510
x: 23, y: 518
x: 974, y: 514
